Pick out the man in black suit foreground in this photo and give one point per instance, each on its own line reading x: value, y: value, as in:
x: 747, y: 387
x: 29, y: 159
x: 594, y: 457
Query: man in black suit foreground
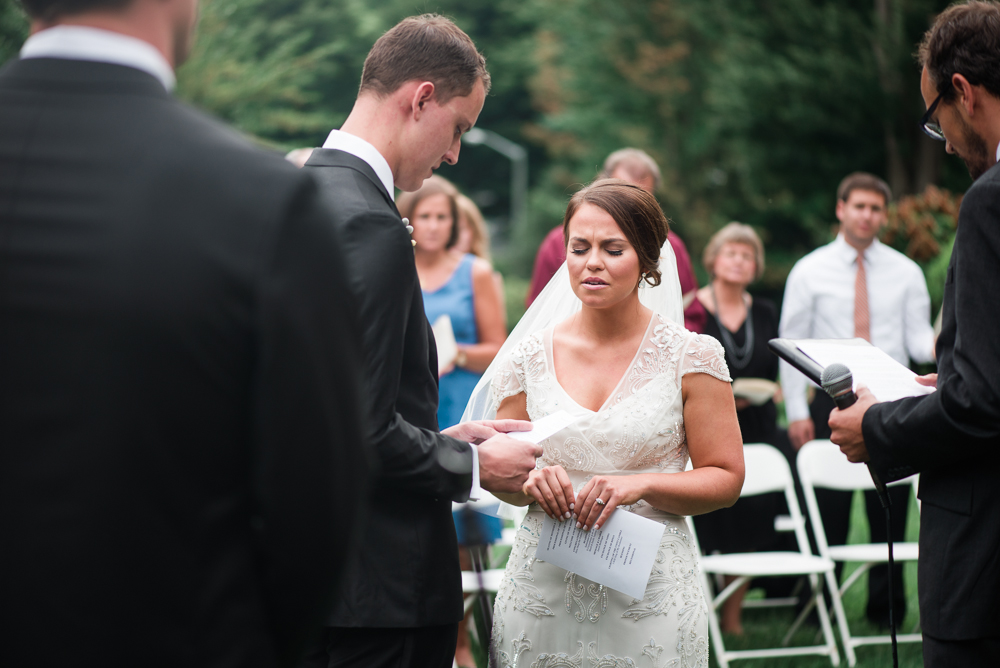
x: 952, y: 437
x: 423, y: 86
x: 181, y: 455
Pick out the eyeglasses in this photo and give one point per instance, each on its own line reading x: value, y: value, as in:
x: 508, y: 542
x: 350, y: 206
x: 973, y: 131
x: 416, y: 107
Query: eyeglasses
x: 931, y: 127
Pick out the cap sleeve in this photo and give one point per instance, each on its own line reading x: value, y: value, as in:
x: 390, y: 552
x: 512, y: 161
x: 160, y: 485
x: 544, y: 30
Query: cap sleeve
x: 704, y: 354
x: 509, y: 378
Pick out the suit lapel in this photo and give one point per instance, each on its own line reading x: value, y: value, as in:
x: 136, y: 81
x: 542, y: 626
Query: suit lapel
x: 328, y: 157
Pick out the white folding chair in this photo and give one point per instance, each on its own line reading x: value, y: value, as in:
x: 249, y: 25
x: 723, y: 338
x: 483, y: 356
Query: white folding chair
x: 767, y: 471
x: 822, y: 465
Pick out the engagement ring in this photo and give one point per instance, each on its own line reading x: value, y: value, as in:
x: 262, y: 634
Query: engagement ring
x: 599, y: 502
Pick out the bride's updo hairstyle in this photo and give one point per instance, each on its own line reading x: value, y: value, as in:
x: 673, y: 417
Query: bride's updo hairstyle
x: 638, y: 215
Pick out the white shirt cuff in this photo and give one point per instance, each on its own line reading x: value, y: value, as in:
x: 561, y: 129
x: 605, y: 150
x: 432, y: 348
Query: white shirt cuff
x: 476, y: 492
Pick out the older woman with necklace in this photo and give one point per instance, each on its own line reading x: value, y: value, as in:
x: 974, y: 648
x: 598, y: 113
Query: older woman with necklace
x: 734, y: 258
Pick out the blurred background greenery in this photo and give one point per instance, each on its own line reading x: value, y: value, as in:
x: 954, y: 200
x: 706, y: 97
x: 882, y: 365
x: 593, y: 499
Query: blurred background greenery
x: 754, y: 109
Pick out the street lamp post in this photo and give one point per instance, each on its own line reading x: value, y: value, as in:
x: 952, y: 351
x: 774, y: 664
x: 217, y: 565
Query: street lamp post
x: 518, y: 156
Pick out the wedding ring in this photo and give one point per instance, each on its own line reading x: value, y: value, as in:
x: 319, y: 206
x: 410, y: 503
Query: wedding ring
x: 599, y: 502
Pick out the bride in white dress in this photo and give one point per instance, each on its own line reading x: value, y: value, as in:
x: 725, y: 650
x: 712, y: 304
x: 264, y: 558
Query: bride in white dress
x: 649, y: 395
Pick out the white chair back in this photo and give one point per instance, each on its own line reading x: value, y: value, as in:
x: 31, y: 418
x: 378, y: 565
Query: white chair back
x: 766, y: 470
x: 827, y: 467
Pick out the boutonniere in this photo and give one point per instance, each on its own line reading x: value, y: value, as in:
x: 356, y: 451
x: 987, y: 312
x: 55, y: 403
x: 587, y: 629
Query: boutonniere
x: 409, y: 228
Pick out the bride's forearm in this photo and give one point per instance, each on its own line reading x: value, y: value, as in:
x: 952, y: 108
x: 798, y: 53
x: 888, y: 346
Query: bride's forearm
x: 515, y: 499
x: 695, y: 492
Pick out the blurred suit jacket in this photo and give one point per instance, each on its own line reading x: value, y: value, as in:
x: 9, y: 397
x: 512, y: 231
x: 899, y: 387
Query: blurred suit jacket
x: 952, y: 437
x: 180, y: 443
x: 407, y: 573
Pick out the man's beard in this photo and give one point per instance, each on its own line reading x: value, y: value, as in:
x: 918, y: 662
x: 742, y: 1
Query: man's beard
x: 977, y: 158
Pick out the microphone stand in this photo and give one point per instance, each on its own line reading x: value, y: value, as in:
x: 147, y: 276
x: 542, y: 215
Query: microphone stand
x: 837, y: 382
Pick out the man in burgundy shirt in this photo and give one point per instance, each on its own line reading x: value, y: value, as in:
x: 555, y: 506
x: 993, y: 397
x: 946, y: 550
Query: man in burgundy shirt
x: 634, y: 166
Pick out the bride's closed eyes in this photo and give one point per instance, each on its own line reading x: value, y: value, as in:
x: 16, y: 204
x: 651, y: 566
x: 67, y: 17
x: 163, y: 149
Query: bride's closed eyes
x: 581, y: 251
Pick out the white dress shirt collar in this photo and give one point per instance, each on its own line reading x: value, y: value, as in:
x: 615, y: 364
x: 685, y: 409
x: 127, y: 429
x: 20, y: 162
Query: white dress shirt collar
x: 849, y: 253
x: 102, y: 46
x: 998, y: 152
x: 359, y: 148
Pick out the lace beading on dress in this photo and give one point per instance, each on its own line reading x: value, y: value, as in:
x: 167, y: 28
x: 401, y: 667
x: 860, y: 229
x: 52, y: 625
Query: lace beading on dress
x: 547, y: 617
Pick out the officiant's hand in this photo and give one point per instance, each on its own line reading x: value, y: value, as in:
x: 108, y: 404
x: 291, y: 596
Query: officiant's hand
x: 504, y: 463
x: 845, y: 426
x: 613, y: 491
x: 553, y: 491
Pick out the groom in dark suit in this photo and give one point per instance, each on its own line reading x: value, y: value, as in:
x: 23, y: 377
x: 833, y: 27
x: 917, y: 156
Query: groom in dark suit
x: 952, y: 437
x: 423, y: 86
x: 181, y: 452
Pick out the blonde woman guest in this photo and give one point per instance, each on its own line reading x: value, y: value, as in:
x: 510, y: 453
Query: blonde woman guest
x: 457, y: 284
x: 474, y: 237
x: 734, y: 258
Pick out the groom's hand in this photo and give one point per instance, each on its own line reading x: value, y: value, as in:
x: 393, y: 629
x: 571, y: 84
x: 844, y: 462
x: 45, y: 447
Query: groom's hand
x: 481, y: 430
x: 504, y: 463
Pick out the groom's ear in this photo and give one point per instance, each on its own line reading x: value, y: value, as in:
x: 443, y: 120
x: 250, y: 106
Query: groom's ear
x: 422, y: 96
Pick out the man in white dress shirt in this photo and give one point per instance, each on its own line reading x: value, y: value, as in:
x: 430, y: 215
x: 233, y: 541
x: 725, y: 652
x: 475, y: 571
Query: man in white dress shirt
x: 855, y: 286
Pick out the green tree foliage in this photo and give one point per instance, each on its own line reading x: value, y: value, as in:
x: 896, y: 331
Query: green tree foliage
x: 285, y: 72
x: 288, y: 71
x: 13, y: 29
x: 754, y: 109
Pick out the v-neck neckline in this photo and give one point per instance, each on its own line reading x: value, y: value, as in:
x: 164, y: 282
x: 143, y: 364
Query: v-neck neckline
x: 555, y: 378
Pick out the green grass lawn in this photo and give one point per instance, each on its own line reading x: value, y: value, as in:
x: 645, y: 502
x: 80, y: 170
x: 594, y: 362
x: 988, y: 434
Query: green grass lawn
x: 766, y: 627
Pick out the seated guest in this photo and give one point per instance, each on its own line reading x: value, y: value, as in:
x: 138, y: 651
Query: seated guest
x: 637, y: 167
x: 456, y: 284
x: 734, y: 258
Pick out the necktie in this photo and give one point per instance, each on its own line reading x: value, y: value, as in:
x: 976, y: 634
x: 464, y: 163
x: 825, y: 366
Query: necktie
x: 861, y: 321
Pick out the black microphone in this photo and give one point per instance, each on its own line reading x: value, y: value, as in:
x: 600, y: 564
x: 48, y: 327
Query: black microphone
x: 838, y: 382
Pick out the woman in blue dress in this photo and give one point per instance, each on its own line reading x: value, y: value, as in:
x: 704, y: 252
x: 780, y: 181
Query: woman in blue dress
x: 459, y: 285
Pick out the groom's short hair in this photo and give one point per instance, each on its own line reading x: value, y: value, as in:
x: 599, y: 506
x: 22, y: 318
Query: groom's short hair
x: 51, y: 9
x: 425, y: 48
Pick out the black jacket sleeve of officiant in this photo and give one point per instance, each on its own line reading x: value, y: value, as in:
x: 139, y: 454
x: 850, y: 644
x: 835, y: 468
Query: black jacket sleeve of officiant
x: 952, y: 437
x: 407, y: 572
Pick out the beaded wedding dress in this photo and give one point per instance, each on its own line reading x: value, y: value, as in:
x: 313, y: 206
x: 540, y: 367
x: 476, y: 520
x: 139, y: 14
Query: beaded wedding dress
x: 546, y: 617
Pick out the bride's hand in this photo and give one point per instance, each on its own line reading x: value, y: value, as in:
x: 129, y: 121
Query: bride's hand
x: 551, y: 488
x: 613, y: 490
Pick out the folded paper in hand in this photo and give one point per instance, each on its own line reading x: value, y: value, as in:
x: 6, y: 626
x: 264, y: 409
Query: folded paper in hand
x: 619, y: 555
x: 544, y: 427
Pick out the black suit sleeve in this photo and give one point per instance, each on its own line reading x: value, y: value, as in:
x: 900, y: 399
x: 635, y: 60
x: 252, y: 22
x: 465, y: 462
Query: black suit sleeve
x: 918, y: 433
x: 411, y: 458
x: 310, y: 459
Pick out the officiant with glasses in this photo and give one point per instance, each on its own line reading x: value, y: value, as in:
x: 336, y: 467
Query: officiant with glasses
x: 734, y: 258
